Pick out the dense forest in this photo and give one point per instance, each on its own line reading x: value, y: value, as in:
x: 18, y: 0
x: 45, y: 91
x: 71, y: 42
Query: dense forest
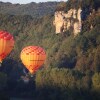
x: 33, y: 9
x: 72, y: 67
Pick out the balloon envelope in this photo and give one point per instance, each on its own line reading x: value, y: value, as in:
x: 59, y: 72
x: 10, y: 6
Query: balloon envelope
x: 6, y: 44
x: 33, y: 57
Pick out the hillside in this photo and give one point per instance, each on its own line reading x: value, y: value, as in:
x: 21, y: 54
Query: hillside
x: 72, y: 67
x: 33, y: 9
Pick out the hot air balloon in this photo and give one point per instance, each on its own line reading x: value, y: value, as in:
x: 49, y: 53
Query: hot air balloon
x: 6, y: 44
x: 33, y: 57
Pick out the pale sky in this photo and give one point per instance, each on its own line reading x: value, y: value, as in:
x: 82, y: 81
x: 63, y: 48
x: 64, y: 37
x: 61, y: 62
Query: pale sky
x: 28, y: 1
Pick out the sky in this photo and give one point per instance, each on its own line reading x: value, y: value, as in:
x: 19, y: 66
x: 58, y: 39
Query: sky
x: 28, y: 1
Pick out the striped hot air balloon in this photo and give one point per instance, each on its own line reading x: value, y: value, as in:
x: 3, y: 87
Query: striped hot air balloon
x: 33, y: 57
x: 6, y: 44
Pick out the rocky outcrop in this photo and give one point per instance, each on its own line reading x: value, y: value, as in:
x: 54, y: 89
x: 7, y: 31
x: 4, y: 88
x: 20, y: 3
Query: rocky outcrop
x: 68, y: 21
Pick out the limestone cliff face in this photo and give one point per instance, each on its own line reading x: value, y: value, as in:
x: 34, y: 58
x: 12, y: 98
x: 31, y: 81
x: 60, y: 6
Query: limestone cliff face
x: 68, y: 21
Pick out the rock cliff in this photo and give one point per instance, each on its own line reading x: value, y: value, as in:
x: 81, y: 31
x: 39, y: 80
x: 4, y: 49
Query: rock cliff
x: 68, y: 21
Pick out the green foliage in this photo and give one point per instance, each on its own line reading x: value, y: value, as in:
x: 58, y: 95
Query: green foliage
x: 33, y: 9
x: 96, y: 81
x: 61, y: 78
x: 64, y: 83
x: 82, y: 4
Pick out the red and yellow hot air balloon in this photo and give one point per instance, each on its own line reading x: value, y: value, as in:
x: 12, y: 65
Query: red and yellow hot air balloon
x: 6, y: 44
x: 33, y: 57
